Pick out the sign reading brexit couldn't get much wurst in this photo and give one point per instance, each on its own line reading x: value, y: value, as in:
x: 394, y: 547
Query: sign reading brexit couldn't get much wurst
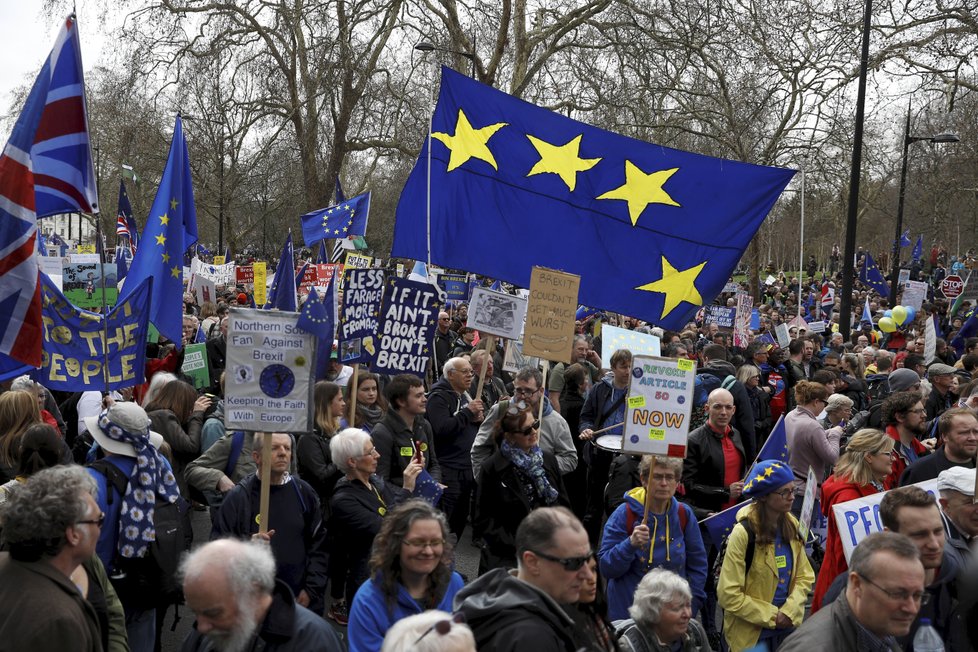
x: 660, y: 398
x: 549, y: 329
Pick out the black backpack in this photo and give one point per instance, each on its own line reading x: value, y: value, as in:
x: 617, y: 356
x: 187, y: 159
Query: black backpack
x: 150, y: 581
x: 748, y: 553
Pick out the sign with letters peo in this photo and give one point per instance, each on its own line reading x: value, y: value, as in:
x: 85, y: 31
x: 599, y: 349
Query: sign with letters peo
x: 660, y: 399
x: 549, y: 329
x: 360, y: 315
x: 269, y: 376
x: 77, y: 343
x: 857, y: 519
x: 407, y: 328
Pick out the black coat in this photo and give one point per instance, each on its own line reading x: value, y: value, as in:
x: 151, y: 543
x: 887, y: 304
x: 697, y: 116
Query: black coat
x: 501, y: 505
x: 703, y: 470
x: 394, y: 442
x: 316, y: 467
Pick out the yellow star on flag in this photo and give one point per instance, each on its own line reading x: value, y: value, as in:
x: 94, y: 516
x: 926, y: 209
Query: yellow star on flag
x: 164, y: 219
x: 678, y: 286
x: 173, y: 204
x: 641, y: 189
x: 469, y: 142
x: 562, y: 160
x: 161, y: 239
x: 175, y: 272
x: 166, y: 257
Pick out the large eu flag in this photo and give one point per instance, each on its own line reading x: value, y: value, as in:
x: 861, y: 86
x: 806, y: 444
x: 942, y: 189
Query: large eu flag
x: 654, y: 232
x: 346, y: 218
x: 171, y: 228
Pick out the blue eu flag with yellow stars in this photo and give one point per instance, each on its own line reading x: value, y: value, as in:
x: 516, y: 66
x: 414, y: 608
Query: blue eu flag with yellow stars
x: 319, y: 318
x: 653, y: 232
x: 776, y: 446
x: 171, y: 228
x: 347, y: 218
x: 871, y: 275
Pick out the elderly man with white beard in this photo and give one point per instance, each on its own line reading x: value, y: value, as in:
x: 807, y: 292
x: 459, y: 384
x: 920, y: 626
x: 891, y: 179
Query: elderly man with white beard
x: 230, y: 586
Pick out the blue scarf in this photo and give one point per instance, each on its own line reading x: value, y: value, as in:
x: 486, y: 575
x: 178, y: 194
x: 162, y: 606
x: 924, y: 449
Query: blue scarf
x: 529, y: 466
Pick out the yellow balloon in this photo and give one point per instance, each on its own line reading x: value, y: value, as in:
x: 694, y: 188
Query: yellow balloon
x: 899, y: 315
x: 887, y: 325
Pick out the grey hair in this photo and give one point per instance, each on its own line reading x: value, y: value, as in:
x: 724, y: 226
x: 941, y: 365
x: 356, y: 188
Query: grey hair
x: 36, y: 513
x: 23, y: 384
x: 861, y: 562
x: 838, y: 402
x: 658, y: 587
x: 450, y: 365
x: 404, y: 634
x: 526, y: 373
x: 249, y: 566
x: 159, y: 379
x: 346, y: 445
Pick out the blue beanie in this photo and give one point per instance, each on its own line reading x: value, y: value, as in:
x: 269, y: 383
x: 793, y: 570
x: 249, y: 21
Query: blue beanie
x: 767, y: 477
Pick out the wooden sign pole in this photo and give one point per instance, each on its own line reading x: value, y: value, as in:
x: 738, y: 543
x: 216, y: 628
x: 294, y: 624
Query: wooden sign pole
x: 490, y: 344
x: 266, y: 474
x: 353, y: 395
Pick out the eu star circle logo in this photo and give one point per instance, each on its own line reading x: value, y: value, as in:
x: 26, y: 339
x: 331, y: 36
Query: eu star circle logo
x: 637, y: 372
x: 276, y: 380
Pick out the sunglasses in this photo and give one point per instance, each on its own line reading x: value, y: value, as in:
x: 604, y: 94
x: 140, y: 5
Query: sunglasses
x: 443, y: 626
x: 569, y: 563
x: 526, y: 432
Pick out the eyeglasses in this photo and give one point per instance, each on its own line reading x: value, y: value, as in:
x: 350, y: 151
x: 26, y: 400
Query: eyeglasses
x: 900, y: 595
x: 522, y: 391
x: 663, y: 477
x: 98, y: 521
x: 917, y: 411
x: 443, y: 626
x: 572, y: 564
x: 421, y: 544
x: 785, y: 493
x: 526, y: 432
x: 464, y: 372
x: 373, y: 449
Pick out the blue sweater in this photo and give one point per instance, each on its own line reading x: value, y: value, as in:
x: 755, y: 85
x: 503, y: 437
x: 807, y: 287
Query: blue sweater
x: 624, y: 566
x: 370, y: 619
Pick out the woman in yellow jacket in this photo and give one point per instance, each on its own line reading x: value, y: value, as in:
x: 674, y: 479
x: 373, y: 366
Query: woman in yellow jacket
x: 767, y: 601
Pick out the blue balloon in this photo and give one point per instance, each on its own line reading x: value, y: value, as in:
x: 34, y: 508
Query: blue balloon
x: 887, y: 313
x: 911, y: 314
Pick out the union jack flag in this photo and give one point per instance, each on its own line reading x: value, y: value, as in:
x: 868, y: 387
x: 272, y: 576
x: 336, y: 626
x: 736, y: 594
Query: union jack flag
x: 45, y: 169
x: 828, y: 298
x: 121, y: 226
x: 125, y: 227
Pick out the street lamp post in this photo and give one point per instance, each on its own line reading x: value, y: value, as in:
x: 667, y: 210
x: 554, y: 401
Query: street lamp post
x: 907, y: 139
x: 425, y: 46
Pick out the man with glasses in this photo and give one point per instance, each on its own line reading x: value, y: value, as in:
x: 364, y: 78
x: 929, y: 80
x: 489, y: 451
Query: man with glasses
x: 958, y: 428
x: 455, y: 419
x: 883, y: 594
x: 904, y: 418
x: 50, y: 526
x: 914, y: 513
x: 521, y: 611
x: 957, y: 489
x: 445, y: 342
x: 555, y: 435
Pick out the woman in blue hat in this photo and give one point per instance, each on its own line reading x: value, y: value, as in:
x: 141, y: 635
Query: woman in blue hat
x: 765, y: 577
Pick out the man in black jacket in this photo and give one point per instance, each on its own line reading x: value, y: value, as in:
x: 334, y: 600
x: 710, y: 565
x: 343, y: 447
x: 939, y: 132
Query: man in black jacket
x: 715, y: 463
x: 455, y: 420
x: 403, y: 433
x: 714, y: 358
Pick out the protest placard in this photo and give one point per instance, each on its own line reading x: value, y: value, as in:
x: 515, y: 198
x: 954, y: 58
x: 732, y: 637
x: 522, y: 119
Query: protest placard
x: 195, y: 365
x: 357, y: 261
x: 808, y: 505
x: 614, y: 338
x: 903, y: 277
x: 514, y: 360
x: 310, y: 277
x: 660, y: 398
x: 407, y: 332
x: 86, y: 249
x: 817, y: 326
x: 400, y: 270
x: 360, y: 316
x: 784, y: 338
x: 244, y: 274
x: 456, y: 287
x: 83, y: 284
x: 741, y: 331
x: 496, y: 313
x: 269, y: 381
x: 857, y: 519
x: 722, y: 316
x: 914, y: 294
x: 549, y: 329
x: 75, y: 346
x: 221, y: 274
x: 203, y: 288
x: 219, y: 260
x: 260, y: 279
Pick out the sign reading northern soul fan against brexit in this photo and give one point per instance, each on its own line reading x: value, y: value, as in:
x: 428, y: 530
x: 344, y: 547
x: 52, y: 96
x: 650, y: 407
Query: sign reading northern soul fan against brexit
x: 360, y: 316
x: 408, y: 327
x: 660, y: 398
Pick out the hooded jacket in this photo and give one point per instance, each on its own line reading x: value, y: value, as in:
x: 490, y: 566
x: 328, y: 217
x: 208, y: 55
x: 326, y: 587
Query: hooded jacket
x: 674, y: 548
x: 395, y: 444
x: 834, y: 492
x: 743, y: 418
x: 507, y: 614
x: 453, y: 426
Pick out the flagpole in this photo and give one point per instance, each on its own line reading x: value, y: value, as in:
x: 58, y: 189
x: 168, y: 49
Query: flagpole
x: 105, y: 308
x: 801, y: 246
x: 431, y: 123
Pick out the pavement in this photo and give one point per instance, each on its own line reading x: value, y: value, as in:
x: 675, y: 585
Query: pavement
x: 178, y: 623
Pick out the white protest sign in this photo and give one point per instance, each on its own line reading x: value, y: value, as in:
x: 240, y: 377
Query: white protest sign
x: 914, y: 294
x: 496, y: 313
x: 770, y: 280
x: 808, y: 505
x: 219, y: 274
x: 51, y: 265
x: 857, y: 519
x: 270, y: 378
x: 816, y: 326
x: 514, y: 360
x: 203, y: 288
x: 904, y: 276
x: 660, y: 398
x: 784, y: 338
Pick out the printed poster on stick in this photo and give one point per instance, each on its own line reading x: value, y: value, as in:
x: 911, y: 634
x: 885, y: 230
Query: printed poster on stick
x: 408, y: 327
x: 360, y: 316
x: 269, y: 380
x: 496, y: 313
x: 549, y: 329
x: 660, y: 398
x: 741, y: 331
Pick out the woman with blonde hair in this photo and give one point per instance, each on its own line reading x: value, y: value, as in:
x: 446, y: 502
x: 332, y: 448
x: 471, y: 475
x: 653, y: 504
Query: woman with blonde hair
x: 859, y: 472
x: 18, y: 411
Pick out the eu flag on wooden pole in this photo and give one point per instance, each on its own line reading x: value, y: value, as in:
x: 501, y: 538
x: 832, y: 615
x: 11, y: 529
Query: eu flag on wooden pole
x: 653, y: 232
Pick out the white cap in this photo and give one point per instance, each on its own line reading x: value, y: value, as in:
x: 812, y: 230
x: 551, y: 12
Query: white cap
x: 957, y: 478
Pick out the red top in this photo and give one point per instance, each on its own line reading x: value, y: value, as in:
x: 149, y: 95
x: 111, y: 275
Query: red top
x: 900, y: 461
x: 733, y: 461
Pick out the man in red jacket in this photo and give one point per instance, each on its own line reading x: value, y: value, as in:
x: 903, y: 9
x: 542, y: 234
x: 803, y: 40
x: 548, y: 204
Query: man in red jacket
x: 905, y: 419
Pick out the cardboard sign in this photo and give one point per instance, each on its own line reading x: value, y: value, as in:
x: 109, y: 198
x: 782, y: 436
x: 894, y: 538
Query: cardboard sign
x: 722, y: 316
x: 269, y: 382
x: 202, y: 288
x: 195, y: 365
x: 614, y: 338
x: 83, y: 285
x: 660, y: 399
x: 914, y: 294
x: 86, y: 249
x: 360, y: 315
x: 514, y: 360
x: 261, y: 283
x: 357, y: 261
x: 219, y: 260
x: 410, y: 315
x: 496, y: 313
x: 857, y: 519
x: 549, y: 329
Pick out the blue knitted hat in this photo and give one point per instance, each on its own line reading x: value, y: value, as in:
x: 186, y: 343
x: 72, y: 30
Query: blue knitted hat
x: 767, y: 477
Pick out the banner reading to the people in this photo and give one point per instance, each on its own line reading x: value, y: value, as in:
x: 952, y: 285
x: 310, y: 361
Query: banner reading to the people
x: 269, y: 381
x: 360, y: 316
x: 77, y: 343
x: 407, y: 330
x: 660, y: 398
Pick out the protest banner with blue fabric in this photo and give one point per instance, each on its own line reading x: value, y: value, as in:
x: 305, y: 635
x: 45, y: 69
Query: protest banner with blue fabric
x: 456, y: 287
x: 73, y: 354
x: 282, y: 294
x: 359, y: 326
x: 171, y: 229
x: 968, y: 329
x: 905, y: 239
x: 871, y: 275
x: 342, y: 220
x: 867, y: 317
x: 653, y: 232
x: 318, y: 317
x: 583, y: 312
x: 918, y: 249
x: 408, y: 321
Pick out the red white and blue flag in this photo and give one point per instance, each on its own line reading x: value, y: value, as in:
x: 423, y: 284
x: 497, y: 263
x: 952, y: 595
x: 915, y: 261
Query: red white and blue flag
x: 45, y: 169
x: 828, y: 298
